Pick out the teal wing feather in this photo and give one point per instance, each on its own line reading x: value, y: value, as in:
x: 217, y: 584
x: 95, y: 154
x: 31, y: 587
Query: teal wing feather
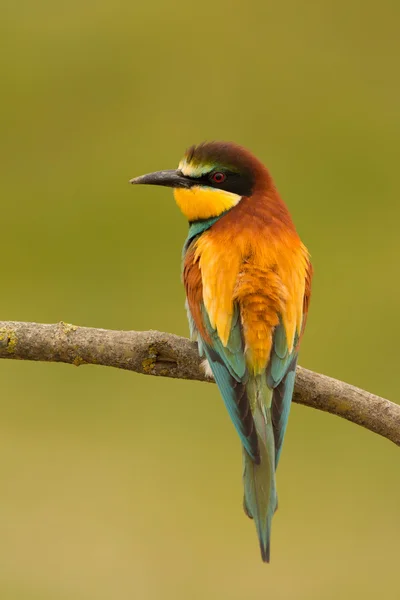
x: 259, y: 408
x: 281, y: 373
x: 228, y: 366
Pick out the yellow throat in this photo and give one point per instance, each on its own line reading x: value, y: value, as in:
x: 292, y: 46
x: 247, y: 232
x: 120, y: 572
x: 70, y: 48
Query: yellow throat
x: 204, y: 203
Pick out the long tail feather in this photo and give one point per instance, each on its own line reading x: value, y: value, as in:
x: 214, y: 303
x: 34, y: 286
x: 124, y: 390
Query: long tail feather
x: 260, y: 498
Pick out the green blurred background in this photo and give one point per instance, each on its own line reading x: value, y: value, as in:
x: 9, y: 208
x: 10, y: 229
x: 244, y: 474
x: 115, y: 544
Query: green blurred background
x: 115, y: 485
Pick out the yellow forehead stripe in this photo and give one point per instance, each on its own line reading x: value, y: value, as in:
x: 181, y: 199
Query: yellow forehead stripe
x: 204, y: 202
x: 191, y: 170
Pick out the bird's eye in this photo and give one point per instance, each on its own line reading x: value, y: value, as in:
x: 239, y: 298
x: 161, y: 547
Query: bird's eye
x: 218, y: 177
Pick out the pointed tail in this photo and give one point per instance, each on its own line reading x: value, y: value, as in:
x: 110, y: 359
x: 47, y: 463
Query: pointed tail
x: 260, y: 498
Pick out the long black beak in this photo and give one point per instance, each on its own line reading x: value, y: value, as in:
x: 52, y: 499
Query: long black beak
x: 174, y: 179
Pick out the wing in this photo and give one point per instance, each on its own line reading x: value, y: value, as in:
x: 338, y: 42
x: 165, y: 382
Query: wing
x: 228, y: 366
x: 227, y: 362
x: 281, y: 371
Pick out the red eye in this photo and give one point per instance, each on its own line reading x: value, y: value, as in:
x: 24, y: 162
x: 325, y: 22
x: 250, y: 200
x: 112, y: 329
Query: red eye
x: 218, y: 177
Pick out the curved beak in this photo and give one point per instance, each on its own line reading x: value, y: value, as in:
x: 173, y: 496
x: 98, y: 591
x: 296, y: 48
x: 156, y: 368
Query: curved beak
x: 173, y: 179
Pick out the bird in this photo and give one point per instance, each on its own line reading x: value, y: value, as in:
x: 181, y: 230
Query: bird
x: 247, y: 277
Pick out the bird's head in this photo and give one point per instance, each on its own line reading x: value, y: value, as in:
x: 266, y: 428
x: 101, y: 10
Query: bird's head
x: 211, y: 179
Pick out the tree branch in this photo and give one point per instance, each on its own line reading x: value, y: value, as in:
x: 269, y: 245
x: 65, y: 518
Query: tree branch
x: 168, y: 355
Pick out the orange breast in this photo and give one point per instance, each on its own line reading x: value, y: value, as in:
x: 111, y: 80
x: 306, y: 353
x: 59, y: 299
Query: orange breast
x: 252, y: 256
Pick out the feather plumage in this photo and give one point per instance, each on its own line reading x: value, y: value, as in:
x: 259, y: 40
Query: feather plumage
x: 247, y: 278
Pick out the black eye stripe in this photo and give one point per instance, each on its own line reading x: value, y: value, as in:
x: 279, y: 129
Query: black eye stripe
x: 236, y: 183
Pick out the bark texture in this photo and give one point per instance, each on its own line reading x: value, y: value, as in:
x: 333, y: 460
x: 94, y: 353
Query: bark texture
x: 168, y: 355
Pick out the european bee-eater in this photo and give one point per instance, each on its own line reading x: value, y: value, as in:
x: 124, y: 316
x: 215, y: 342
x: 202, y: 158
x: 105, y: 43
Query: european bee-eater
x: 247, y: 278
